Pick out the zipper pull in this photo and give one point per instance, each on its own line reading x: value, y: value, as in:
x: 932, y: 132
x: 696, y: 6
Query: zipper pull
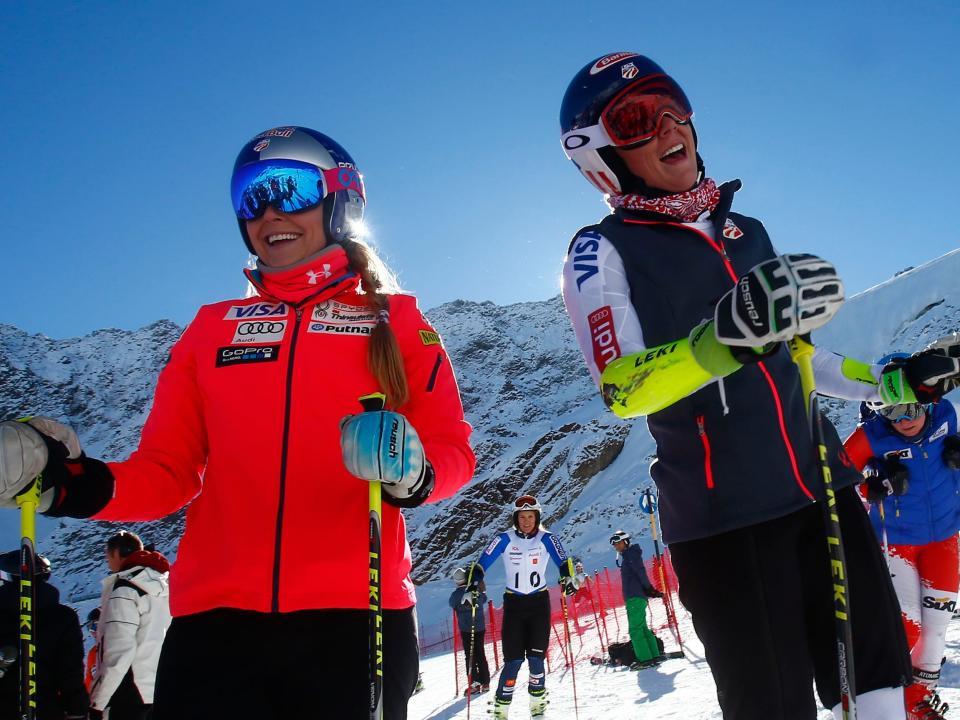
x: 700, y: 426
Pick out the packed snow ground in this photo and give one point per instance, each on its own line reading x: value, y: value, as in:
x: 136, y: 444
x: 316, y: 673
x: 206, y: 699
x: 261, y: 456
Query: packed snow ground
x: 676, y: 689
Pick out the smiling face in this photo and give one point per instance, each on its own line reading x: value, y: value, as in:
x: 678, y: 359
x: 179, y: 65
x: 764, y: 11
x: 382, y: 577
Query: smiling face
x: 668, y: 161
x: 527, y: 521
x: 280, y: 239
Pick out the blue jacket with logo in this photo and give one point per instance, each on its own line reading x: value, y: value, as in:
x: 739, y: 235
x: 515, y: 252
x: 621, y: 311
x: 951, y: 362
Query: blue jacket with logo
x: 930, y: 509
x: 633, y: 573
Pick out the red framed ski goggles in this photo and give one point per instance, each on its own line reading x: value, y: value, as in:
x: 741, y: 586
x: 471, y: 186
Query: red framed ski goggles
x: 289, y: 186
x: 526, y: 502
x: 635, y: 114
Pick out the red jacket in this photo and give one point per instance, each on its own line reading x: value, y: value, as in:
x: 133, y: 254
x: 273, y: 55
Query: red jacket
x: 245, y: 424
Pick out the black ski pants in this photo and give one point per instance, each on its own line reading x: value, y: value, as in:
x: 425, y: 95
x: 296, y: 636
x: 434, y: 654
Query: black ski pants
x: 238, y: 664
x: 478, y: 670
x: 761, y: 598
x: 526, y: 625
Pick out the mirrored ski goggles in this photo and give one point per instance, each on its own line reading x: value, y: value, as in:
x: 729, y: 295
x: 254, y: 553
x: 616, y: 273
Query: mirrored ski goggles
x: 634, y: 116
x: 289, y: 186
x: 526, y: 502
x: 896, y: 413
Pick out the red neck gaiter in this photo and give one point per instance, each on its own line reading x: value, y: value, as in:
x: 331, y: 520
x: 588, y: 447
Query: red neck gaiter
x: 326, y: 273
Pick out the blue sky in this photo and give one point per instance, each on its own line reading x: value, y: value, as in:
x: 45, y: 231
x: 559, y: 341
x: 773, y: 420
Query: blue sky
x: 121, y: 122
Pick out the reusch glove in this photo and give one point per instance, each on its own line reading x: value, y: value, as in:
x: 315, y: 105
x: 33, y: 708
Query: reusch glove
x: 884, y: 477
x: 72, y: 485
x: 951, y: 452
x: 777, y: 300
x: 382, y: 445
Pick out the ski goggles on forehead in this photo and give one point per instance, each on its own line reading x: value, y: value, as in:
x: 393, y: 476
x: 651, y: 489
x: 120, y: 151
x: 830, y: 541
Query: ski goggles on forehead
x: 289, y: 186
x: 526, y: 502
x: 896, y: 413
x: 635, y: 115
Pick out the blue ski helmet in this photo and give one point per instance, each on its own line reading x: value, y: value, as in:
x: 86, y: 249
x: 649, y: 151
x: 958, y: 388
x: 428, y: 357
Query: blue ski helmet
x: 584, y: 138
x: 294, y: 169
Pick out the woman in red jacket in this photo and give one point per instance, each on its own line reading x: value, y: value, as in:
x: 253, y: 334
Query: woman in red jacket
x: 256, y: 424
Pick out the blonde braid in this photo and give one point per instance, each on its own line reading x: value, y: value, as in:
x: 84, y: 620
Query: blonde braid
x: 383, y: 355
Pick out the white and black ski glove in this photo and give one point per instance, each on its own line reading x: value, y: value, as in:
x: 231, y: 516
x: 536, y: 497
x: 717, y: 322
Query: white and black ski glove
x: 777, y: 300
x: 72, y: 484
x: 569, y: 584
x: 925, y: 376
x: 382, y: 445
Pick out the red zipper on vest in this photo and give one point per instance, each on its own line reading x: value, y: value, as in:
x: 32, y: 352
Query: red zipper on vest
x: 719, y: 247
x: 705, y: 441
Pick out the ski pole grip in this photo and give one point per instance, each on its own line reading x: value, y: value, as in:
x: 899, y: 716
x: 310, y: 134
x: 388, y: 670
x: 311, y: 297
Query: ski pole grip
x: 373, y: 402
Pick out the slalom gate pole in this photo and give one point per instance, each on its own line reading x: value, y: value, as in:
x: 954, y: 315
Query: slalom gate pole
x: 648, y: 504
x: 573, y: 665
x: 374, y: 402
x: 596, y: 619
x: 801, y: 351
x: 28, y: 501
x: 603, y: 612
x: 616, y: 615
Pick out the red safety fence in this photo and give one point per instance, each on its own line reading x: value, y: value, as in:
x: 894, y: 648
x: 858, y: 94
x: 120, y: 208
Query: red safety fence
x: 596, y: 615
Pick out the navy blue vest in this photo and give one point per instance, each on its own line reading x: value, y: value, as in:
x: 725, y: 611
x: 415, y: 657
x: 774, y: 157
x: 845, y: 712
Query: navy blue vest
x: 730, y: 455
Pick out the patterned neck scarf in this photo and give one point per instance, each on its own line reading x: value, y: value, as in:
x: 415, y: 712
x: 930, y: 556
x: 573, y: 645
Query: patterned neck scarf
x: 686, y: 206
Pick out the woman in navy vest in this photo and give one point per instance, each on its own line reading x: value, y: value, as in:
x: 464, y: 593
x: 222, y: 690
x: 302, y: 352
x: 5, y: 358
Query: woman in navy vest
x: 681, y: 307
x: 910, y: 455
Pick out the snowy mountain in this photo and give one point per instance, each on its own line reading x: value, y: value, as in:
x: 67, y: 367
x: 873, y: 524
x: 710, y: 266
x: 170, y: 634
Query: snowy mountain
x: 539, y: 425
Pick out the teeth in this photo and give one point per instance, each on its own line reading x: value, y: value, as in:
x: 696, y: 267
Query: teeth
x: 675, y: 148
x: 271, y: 239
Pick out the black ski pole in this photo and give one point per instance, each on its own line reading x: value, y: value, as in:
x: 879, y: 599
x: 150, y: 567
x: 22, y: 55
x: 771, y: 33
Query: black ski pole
x: 801, y: 351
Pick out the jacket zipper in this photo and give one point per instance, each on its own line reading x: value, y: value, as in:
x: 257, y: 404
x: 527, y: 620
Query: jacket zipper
x: 275, y: 598
x: 705, y: 441
x: 433, y: 375
x: 722, y: 250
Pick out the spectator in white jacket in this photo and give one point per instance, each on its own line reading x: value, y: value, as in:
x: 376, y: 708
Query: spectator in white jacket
x: 135, y: 614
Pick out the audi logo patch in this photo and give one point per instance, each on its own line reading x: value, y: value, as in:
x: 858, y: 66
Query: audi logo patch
x: 259, y: 331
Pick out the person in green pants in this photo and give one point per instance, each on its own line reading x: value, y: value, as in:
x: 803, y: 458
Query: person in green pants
x: 636, y: 589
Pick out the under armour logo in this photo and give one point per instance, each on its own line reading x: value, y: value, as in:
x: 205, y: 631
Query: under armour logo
x: 313, y: 277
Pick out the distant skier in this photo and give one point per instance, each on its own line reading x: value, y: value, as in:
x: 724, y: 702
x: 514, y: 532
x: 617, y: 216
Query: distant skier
x: 257, y: 426
x: 910, y: 455
x: 470, y: 606
x: 636, y: 589
x: 681, y: 308
x: 61, y: 694
x: 93, y: 622
x: 526, y: 603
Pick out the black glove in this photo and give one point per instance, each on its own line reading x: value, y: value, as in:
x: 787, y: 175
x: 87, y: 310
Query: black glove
x: 654, y: 593
x: 951, y: 452
x: 885, y: 476
x: 930, y: 374
x: 95, y: 714
x: 569, y: 585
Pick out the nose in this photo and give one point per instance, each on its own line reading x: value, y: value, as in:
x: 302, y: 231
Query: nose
x: 272, y: 213
x: 667, y: 124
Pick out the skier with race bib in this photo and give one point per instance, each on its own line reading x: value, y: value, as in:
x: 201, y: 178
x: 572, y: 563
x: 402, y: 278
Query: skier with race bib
x: 681, y: 308
x: 526, y: 550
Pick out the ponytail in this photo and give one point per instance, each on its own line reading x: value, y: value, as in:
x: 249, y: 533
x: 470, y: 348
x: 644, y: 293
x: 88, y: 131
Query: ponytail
x: 383, y: 354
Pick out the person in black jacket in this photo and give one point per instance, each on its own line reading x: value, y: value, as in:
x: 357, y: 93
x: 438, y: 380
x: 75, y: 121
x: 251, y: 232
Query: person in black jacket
x: 468, y: 603
x: 636, y: 589
x: 681, y: 308
x: 61, y: 694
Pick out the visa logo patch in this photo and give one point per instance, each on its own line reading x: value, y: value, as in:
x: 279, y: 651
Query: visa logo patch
x: 257, y: 310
